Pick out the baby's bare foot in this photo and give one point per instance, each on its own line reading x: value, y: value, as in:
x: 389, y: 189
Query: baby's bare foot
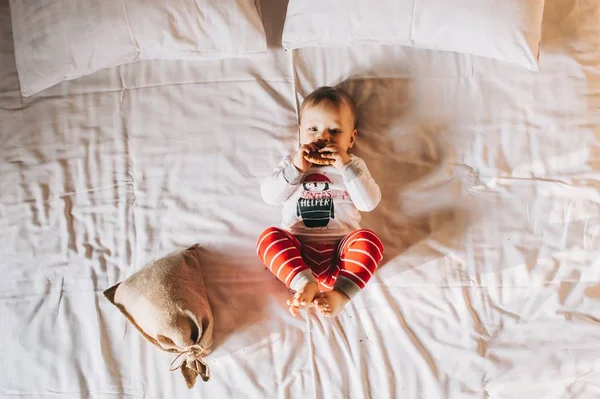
x: 331, y: 303
x: 303, y: 298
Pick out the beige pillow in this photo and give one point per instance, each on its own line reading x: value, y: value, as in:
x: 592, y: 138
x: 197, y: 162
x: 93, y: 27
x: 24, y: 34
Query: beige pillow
x: 166, y: 301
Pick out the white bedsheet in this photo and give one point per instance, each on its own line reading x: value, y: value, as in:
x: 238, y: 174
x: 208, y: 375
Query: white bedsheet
x: 490, y: 218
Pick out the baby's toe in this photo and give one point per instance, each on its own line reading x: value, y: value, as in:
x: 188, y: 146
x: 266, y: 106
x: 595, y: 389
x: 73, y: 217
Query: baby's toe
x: 297, y: 300
x: 325, y: 311
x: 323, y: 306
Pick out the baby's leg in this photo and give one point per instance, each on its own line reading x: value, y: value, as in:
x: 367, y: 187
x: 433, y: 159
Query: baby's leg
x: 279, y: 250
x: 359, y: 255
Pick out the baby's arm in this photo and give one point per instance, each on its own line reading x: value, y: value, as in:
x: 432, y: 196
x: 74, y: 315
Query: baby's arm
x: 363, y: 190
x: 276, y: 188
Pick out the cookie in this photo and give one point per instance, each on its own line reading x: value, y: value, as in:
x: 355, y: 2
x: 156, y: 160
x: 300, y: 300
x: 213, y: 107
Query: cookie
x: 316, y: 157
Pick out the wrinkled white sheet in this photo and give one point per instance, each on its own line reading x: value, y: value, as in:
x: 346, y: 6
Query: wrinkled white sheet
x: 490, y: 217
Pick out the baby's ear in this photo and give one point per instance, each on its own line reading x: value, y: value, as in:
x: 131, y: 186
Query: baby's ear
x: 353, y: 137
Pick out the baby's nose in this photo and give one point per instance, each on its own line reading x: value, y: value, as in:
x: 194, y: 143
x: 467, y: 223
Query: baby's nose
x: 324, y: 135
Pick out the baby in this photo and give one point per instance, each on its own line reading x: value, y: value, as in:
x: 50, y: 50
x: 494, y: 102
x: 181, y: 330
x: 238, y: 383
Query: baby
x: 320, y: 251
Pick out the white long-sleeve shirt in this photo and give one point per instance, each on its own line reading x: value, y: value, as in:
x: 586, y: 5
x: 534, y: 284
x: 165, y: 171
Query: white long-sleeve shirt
x: 323, y: 203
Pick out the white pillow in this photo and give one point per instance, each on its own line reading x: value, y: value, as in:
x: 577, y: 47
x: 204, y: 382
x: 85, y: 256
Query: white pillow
x: 507, y: 30
x: 58, y: 40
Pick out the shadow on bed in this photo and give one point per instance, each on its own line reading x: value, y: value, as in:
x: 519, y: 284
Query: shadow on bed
x: 235, y: 286
x: 273, y: 17
x: 567, y: 29
x: 403, y: 152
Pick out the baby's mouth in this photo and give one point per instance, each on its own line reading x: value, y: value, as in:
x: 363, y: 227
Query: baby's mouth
x: 320, y: 143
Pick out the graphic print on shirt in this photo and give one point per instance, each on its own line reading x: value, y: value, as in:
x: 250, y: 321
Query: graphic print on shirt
x: 315, y: 204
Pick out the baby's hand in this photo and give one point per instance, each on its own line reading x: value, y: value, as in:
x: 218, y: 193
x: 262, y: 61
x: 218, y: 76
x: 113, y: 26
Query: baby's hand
x: 340, y: 156
x: 299, y: 161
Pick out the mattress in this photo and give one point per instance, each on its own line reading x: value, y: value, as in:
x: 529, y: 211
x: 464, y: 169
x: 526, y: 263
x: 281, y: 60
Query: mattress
x: 490, y: 218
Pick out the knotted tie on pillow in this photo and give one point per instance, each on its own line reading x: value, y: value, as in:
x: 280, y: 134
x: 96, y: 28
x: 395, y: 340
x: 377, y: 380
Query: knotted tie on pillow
x: 192, y: 365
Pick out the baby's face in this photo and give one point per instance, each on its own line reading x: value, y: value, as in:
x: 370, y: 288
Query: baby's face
x: 325, y: 122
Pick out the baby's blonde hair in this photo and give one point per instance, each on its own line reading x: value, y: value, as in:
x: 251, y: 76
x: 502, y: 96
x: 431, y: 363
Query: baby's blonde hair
x: 332, y: 96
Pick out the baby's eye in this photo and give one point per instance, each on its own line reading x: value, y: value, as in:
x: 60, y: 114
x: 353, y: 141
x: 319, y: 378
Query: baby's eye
x: 335, y: 131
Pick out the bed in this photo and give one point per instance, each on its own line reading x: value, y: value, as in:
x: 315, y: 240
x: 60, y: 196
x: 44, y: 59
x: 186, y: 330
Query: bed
x: 490, y: 175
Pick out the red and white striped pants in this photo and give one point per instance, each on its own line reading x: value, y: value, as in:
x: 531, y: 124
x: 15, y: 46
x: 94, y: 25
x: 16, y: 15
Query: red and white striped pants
x: 355, y: 257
